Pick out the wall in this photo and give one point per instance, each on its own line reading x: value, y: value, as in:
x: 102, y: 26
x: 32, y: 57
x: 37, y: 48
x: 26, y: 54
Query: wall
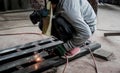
x: 14, y: 4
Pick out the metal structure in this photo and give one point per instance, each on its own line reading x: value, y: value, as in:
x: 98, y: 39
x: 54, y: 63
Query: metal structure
x: 36, y: 57
x: 14, y: 4
x: 112, y: 34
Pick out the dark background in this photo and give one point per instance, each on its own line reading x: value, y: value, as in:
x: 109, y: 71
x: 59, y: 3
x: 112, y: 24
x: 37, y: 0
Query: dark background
x: 25, y: 4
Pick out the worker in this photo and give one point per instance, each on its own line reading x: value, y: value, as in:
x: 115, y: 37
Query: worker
x: 82, y: 18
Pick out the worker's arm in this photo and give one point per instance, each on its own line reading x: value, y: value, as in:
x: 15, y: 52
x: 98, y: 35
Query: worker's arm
x: 72, y: 13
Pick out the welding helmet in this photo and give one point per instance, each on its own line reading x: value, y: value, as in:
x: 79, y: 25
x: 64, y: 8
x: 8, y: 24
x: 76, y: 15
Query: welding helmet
x: 40, y: 11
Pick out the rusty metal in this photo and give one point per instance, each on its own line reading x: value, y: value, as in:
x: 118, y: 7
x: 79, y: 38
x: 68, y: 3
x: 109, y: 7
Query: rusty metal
x: 17, y: 57
x: 36, y: 57
x: 112, y: 34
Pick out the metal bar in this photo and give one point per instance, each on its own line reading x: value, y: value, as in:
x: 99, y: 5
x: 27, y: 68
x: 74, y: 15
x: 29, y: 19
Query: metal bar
x: 29, y: 50
x: 112, y: 34
x: 39, y: 67
x: 26, y: 45
x: 20, y: 62
x: 55, y: 62
x: 84, y: 51
x: 25, y: 54
x: 16, y: 63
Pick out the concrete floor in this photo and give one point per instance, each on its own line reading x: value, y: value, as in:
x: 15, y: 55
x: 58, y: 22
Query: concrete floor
x: 108, y: 19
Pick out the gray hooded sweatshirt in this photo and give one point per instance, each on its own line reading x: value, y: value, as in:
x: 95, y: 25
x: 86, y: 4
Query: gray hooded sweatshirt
x: 82, y: 17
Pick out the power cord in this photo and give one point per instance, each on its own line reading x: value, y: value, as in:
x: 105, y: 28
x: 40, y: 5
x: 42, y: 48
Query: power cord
x: 65, y: 64
x: 20, y: 34
x: 17, y: 27
x: 12, y: 20
x: 94, y: 61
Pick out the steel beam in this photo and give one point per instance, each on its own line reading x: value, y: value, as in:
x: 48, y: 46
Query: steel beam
x: 22, y: 58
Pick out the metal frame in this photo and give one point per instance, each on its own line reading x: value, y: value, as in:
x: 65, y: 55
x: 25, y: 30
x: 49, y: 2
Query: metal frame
x: 112, y: 34
x: 20, y: 59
